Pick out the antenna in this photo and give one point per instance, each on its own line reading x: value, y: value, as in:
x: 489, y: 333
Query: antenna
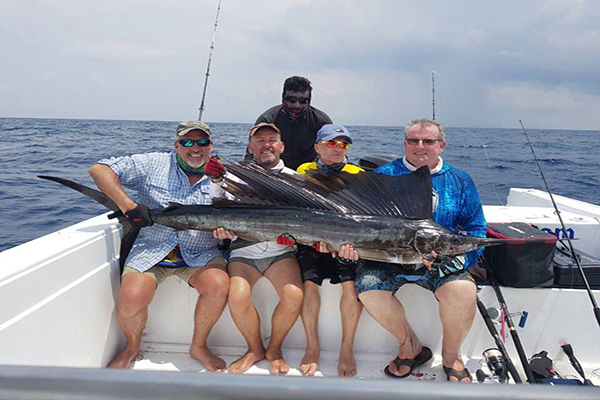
x: 212, y: 47
x: 433, y: 92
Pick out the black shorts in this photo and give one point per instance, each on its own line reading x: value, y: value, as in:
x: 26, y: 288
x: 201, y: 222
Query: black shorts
x: 317, y: 266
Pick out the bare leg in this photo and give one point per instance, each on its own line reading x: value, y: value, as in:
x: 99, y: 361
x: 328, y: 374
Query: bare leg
x: 285, y: 277
x: 245, y: 316
x: 387, y: 310
x: 310, y: 320
x: 457, y: 310
x: 350, y: 308
x: 136, y: 293
x: 212, y: 284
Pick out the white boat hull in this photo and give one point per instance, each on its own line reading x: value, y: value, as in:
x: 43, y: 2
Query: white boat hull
x: 59, y: 294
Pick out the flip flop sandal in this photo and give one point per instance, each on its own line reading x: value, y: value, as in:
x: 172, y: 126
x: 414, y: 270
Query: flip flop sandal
x: 424, y: 356
x: 460, y: 375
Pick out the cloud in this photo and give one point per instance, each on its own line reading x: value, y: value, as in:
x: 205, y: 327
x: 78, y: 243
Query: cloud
x: 370, y: 62
x: 560, y: 106
x: 110, y: 50
x: 569, y: 27
x: 7, y: 89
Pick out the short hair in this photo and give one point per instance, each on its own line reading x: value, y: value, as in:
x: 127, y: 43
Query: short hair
x: 426, y: 122
x: 297, y: 84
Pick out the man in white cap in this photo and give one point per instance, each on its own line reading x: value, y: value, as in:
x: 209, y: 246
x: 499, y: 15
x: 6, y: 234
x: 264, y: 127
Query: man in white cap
x: 180, y: 176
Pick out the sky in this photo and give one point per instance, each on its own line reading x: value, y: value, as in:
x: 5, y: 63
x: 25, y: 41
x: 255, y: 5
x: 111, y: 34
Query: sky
x: 370, y: 62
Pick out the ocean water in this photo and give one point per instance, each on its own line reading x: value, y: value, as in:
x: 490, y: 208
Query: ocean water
x: 496, y: 159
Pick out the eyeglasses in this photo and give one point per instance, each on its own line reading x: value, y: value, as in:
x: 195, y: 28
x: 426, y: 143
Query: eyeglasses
x: 332, y: 144
x: 199, y: 142
x: 301, y: 100
x: 426, y: 142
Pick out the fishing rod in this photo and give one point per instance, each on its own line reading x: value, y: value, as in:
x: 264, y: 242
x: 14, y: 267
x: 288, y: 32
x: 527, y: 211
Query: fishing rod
x: 494, y: 332
x: 511, y: 326
x: 568, y: 350
x: 564, y: 228
x: 212, y: 47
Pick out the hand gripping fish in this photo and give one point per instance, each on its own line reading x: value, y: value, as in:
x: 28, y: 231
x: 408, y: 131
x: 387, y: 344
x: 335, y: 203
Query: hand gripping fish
x: 385, y: 218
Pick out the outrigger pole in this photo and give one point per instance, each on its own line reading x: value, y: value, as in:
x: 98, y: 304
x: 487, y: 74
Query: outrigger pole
x: 564, y: 229
x: 433, y: 92
x: 212, y: 47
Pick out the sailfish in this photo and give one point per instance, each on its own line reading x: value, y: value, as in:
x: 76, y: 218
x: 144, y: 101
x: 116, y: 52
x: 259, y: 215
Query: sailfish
x: 385, y: 218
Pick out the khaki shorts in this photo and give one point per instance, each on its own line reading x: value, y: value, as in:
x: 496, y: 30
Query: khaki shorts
x: 159, y: 274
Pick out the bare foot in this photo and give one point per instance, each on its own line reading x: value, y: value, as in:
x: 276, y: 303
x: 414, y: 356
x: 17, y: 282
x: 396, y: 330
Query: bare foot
x: 278, y: 364
x: 210, y: 361
x: 347, y: 364
x: 123, y: 359
x: 310, y: 361
x: 244, y: 363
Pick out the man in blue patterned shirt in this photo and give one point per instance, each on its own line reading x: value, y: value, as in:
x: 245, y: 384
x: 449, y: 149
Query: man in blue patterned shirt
x: 182, y: 177
x: 456, y: 205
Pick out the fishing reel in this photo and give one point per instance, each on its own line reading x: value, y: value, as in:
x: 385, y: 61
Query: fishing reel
x: 495, y: 314
x: 496, y: 365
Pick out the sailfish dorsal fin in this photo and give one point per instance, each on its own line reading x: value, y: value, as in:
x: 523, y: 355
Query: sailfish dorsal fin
x: 408, y: 196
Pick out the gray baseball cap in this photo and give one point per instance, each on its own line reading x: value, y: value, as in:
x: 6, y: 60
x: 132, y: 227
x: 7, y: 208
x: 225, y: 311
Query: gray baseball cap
x: 187, y: 126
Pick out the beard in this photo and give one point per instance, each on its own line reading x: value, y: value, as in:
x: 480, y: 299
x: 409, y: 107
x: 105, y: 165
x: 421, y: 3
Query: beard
x: 266, y: 160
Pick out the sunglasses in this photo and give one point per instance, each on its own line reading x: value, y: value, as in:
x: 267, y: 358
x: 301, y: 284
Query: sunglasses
x: 426, y: 142
x: 301, y: 100
x: 332, y: 144
x: 199, y: 142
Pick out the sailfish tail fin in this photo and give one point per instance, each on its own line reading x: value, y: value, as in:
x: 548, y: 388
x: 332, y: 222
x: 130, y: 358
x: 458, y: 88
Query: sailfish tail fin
x: 130, y: 232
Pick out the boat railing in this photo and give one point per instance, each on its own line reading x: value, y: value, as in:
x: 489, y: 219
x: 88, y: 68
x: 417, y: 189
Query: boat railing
x: 29, y: 383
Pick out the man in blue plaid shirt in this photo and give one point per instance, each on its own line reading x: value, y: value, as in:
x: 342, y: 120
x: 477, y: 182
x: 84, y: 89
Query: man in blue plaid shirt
x: 182, y: 176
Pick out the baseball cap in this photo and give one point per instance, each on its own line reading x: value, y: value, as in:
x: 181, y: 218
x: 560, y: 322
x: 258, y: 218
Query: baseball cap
x: 187, y: 126
x: 331, y: 131
x: 256, y: 127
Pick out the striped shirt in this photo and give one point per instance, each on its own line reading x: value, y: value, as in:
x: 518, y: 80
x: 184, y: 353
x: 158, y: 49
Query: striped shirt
x: 158, y: 180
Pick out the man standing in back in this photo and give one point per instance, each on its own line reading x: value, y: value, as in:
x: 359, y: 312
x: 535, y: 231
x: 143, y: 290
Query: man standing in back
x: 297, y: 120
x: 158, y: 252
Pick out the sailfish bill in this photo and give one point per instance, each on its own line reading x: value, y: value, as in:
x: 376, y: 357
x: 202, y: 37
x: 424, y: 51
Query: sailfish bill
x: 385, y: 218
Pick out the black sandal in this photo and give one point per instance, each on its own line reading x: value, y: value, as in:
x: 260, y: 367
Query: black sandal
x: 460, y: 375
x: 424, y: 356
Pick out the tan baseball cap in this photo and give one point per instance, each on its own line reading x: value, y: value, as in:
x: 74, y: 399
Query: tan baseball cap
x: 256, y: 127
x: 187, y: 126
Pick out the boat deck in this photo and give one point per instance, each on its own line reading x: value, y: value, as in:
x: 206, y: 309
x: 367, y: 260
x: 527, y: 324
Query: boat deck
x: 169, y: 357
